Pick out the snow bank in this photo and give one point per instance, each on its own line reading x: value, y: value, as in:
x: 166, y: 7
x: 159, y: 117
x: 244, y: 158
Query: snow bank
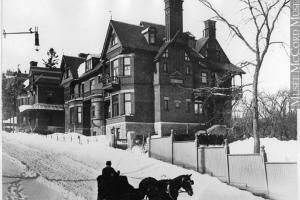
x: 277, y: 151
x: 74, y: 167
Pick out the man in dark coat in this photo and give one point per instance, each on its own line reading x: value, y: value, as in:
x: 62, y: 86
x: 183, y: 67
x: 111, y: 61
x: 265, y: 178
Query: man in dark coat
x: 107, y: 183
x: 109, y: 172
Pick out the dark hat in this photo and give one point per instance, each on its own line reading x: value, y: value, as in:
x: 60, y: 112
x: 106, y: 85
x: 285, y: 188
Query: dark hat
x: 108, y: 163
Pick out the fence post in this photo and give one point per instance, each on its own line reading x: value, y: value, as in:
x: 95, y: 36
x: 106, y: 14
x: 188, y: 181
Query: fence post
x: 57, y: 137
x: 149, y: 145
x: 196, y: 145
x: 264, y: 159
x: 202, y: 159
x: 227, y: 151
x: 172, y: 150
x: 263, y: 154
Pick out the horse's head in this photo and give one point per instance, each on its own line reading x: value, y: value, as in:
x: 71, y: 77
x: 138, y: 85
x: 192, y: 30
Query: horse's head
x: 186, y: 183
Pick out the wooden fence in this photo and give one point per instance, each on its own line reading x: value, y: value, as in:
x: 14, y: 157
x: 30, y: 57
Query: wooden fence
x: 246, y: 171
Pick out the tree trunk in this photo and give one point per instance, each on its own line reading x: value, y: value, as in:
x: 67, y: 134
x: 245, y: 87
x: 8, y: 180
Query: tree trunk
x: 255, y: 112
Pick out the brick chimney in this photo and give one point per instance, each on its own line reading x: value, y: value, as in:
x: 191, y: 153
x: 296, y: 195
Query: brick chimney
x: 173, y: 17
x: 209, y: 29
x: 33, y: 64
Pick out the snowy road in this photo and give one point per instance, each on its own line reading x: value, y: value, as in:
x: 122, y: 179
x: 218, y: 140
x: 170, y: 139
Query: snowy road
x: 66, y: 170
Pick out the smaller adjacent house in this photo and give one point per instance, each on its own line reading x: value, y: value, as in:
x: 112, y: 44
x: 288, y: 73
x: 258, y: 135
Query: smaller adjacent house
x: 41, y: 106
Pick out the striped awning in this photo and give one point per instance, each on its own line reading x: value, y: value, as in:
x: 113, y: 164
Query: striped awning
x: 41, y: 106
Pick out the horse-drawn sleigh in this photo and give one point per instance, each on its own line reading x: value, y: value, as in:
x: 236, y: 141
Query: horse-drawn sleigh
x: 118, y: 188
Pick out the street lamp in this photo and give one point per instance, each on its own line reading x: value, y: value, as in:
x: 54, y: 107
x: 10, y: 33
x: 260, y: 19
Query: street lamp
x: 36, y: 36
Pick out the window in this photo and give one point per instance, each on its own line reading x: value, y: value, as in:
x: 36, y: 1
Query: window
x: 88, y: 65
x: 165, y: 67
x: 188, y: 70
x: 115, y: 67
x: 72, y: 115
x: 166, y: 103
x: 186, y: 57
x: 115, y: 105
x: 92, y: 84
x: 188, y: 105
x: 127, y: 103
x: 152, y: 37
x: 67, y: 73
x: 79, y: 114
x: 198, y: 108
x: 93, y: 111
x: 114, y: 39
x: 203, y: 77
x: 127, y: 66
x: 165, y: 54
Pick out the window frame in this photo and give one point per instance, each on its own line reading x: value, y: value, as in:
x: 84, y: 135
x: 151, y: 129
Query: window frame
x: 127, y: 67
x: 188, y: 70
x: 198, y: 108
x: 202, y: 77
x: 166, y: 104
x: 165, y: 67
x: 115, y: 69
x: 186, y: 57
x: 93, y: 111
x: 127, y: 102
x: 79, y: 114
x: 115, y: 105
x: 165, y: 54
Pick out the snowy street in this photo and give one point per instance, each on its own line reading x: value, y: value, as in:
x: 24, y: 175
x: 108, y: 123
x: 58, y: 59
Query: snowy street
x: 35, y: 167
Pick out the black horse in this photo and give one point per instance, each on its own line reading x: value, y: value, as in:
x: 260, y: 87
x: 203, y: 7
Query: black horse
x: 166, y: 189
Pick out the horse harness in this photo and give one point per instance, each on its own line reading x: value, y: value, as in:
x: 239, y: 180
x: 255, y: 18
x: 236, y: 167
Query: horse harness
x: 169, y: 190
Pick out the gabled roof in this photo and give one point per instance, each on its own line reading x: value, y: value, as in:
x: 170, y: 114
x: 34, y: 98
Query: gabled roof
x: 130, y: 36
x: 165, y: 46
x: 73, y: 63
x: 200, y: 43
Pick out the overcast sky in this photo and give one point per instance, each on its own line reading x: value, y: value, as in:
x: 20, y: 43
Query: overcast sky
x: 74, y: 26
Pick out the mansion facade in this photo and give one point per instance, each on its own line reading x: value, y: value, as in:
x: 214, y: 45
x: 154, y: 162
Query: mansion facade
x: 149, y: 78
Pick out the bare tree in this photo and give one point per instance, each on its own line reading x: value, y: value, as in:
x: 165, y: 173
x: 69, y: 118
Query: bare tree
x: 263, y: 15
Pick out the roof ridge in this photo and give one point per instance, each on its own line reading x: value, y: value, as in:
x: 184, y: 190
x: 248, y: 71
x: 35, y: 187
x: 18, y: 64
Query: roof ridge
x: 151, y: 23
x: 125, y: 23
x: 73, y: 56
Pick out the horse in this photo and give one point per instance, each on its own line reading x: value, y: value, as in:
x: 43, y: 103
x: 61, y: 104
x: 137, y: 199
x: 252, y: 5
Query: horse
x: 166, y: 189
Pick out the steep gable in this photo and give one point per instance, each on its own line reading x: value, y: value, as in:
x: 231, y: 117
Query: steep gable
x: 130, y: 36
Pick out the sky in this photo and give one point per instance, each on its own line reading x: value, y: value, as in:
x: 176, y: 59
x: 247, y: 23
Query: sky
x: 75, y: 26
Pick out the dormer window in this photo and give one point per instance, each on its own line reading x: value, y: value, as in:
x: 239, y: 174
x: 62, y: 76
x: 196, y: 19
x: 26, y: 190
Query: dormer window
x: 89, y: 65
x: 150, y: 35
x: 165, y: 54
x: 152, y: 38
x: 186, y: 57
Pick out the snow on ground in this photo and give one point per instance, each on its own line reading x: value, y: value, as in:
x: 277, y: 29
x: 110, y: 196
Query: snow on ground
x: 277, y: 151
x: 70, y: 168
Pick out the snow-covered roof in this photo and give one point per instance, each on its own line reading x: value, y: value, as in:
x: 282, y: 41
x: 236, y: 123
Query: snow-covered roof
x: 41, y: 106
x: 93, y: 56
